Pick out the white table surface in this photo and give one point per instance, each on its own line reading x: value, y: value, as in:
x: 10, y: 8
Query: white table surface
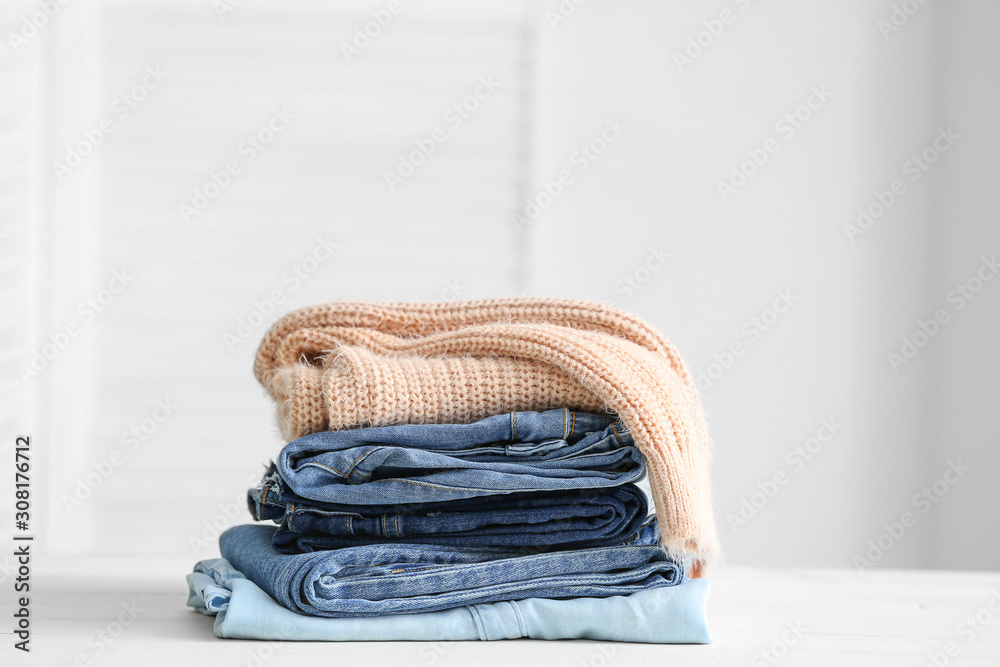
x: 884, y: 617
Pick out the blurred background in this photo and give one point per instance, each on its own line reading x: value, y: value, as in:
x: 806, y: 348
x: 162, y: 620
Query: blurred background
x: 801, y: 196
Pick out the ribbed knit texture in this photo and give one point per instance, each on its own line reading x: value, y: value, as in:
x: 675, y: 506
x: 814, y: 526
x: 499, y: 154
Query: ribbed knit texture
x: 345, y: 365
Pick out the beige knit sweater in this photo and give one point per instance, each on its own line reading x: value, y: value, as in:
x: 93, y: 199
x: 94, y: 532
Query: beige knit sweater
x: 344, y: 365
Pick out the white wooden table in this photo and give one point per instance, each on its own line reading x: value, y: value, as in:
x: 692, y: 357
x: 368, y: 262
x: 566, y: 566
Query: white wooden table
x: 802, y: 617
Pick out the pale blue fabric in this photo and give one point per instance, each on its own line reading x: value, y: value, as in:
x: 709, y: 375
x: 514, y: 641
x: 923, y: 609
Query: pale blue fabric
x: 670, y: 615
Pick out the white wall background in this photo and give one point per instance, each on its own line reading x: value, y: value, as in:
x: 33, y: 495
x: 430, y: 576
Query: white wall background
x: 827, y: 356
x: 446, y: 233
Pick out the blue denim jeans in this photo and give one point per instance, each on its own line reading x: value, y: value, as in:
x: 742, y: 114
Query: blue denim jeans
x: 667, y: 615
x: 564, y: 519
x: 421, y: 463
x: 376, y: 580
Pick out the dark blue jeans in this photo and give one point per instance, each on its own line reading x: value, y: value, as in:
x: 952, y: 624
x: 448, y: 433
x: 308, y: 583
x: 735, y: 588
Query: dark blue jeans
x: 557, y: 519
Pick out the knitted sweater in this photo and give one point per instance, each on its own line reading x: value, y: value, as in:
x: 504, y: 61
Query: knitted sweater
x: 344, y: 365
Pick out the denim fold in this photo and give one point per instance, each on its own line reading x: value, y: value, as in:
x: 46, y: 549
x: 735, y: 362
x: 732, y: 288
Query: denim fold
x: 558, y: 519
x: 420, y: 463
x: 376, y: 580
x: 669, y: 615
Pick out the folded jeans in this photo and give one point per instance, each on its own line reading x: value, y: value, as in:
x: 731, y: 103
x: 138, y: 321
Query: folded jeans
x: 564, y: 519
x: 420, y: 463
x: 671, y: 615
x: 377, y: 580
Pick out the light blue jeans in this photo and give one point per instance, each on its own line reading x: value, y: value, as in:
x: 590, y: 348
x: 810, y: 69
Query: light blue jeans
x: 381, y: 579
x: 672, y: 615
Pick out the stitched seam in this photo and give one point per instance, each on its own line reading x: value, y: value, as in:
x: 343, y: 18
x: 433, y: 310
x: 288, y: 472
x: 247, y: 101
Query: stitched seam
x: 356, y: 461
x: 615, y: 431
x: 419, y: 569
x: 346, y: 476
x: 572, y: 428
x: 480, y: 628
x: 441, y: 486
x: 323, y: 465
x: 520, y: 620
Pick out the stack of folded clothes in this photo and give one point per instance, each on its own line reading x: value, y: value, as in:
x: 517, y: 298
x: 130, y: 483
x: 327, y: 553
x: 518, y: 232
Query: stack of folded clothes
x: 467, y: 471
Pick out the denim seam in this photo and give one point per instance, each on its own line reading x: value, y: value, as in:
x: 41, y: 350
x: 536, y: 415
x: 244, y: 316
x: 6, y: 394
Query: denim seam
x: 513, y: 420
x: 615, y: 431
x: 628, y: 582
x: 626, y: 477
x: 328, y: 467
x: 667, y: 569
x: 477, y: 619
x: 520, y: 619
x: 439, y: 486
x: 572, y: 426
x: 357, y: 461
x: 563, y: 434
x: 419, y: 569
